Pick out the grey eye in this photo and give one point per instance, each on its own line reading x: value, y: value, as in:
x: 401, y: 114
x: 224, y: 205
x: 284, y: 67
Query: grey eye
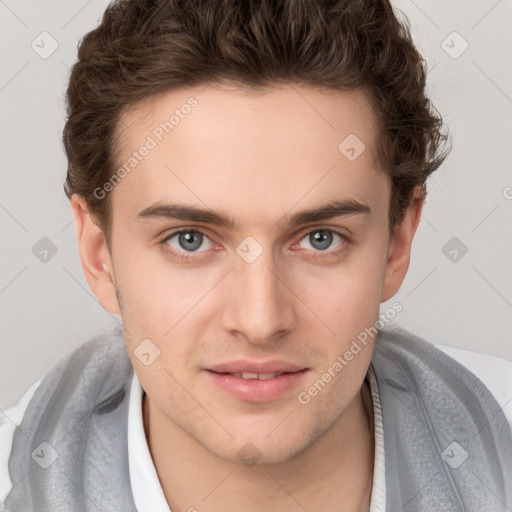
x: 189, y: 241
x: 322, y: 239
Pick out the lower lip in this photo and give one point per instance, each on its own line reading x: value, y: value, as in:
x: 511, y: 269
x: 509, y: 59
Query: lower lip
x: 255, y: 390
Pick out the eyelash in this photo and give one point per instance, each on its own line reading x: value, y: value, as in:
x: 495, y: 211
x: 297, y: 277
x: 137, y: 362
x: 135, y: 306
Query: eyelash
x: 319, y: 254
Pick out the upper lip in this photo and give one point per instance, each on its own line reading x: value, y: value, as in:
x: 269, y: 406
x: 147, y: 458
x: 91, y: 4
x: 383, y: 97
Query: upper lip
x: 246, y: 366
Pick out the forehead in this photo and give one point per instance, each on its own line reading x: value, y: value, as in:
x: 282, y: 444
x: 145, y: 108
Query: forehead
x: 230, y: 147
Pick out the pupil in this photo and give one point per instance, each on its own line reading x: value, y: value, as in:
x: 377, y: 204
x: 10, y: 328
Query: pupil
x: 191, y: 240
x: 321, y: 239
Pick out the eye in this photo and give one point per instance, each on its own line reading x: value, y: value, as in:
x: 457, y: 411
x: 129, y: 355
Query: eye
x: 322, y: 239
x: 182, y: 244
x: 187, y: 241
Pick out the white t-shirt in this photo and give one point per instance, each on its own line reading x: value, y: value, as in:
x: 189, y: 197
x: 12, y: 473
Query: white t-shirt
x: 494, y: 372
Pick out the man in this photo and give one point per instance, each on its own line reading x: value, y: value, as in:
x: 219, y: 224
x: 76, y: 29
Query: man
x: 247, y: 179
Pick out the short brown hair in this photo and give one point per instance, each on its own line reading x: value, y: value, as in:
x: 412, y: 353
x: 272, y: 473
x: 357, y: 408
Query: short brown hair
x: 145, y: 47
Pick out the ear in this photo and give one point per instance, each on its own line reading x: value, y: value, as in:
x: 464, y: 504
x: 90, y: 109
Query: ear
x: 95, y: 257
x: 400, y: 247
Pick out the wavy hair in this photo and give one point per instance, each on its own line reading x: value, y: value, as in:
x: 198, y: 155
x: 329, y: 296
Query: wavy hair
x: 145, y: 47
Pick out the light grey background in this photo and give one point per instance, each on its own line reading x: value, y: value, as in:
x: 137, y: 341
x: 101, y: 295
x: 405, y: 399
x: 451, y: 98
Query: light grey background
x: 47, y: 309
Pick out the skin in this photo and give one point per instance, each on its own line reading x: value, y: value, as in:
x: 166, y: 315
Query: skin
x: 258, y: 157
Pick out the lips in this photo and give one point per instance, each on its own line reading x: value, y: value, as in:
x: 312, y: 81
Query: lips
x: 256, y: 367
x: 256, y: 381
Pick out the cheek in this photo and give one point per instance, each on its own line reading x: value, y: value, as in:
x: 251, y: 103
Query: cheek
x: 347, y: 297
x: 157, y: 294
x: 162, y: 303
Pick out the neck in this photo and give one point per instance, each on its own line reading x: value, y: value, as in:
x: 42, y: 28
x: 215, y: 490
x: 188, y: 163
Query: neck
x: 334, y: 473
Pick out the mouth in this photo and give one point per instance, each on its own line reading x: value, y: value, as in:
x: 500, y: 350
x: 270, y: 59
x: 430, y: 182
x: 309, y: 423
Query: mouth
x: 253, y: 376
x: 257, y: 386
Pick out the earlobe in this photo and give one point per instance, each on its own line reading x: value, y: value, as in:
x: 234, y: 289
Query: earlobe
x: 94, y: 255
x: 400, y: 248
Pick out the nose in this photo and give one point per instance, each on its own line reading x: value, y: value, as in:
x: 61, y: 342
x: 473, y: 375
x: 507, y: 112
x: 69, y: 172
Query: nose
x: 260, y: 304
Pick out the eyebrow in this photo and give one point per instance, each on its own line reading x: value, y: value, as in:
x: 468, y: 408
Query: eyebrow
x: 330, y: 210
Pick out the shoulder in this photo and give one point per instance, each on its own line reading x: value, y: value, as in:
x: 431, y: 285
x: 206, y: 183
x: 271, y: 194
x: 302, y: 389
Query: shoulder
x: 10, y: 419
x: 104, y: 350
x: 495, y: 373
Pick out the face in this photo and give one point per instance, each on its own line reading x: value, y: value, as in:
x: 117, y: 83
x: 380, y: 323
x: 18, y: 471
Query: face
x: 219, y: 271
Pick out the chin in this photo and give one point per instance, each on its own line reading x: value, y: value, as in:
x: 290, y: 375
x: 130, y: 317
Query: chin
x: 259, y: 450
